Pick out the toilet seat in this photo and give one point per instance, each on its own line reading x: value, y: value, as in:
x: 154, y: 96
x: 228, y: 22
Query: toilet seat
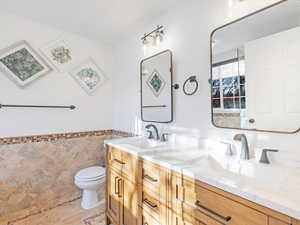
x: 90, y: 174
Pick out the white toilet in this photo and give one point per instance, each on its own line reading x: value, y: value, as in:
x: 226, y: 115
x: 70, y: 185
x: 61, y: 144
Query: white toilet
x: 90, y: 180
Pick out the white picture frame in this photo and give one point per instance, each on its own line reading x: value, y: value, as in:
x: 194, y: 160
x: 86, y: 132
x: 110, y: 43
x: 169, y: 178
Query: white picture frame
x: 22, y: 64
x: 95, y: 76
x: 59, y: 54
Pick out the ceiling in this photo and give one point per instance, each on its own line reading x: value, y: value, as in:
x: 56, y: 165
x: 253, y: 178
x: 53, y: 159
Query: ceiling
x: 109, y: 20
x: 277, y: 19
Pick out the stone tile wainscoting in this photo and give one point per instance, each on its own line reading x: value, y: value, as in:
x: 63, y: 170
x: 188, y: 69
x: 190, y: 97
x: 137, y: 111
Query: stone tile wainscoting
x: 37, y: 172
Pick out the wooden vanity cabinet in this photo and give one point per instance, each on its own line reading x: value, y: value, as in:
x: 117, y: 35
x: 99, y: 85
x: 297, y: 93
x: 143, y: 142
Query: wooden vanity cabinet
x: 143, y: 193
x: 194, y: 199
x: 121, y: 189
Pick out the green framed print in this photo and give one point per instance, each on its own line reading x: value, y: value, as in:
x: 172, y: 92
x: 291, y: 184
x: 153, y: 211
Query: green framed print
x: 60, y: 55
x: 89, y: 76
x: 22, y: 64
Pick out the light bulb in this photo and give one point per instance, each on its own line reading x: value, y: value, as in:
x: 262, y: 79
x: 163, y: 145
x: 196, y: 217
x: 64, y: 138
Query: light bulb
x: 145, y: 46
x: 230, y: 8
x: 159, y: 37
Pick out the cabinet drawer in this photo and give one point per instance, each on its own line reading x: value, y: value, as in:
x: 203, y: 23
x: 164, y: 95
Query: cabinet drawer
x: 130, y: 166
x: 123, y: 163
x: 273, y: 221
x: 151, y: 205
x: 296, y: 222
x: 189, y: 214
x: 220, y: 208
x: 150, y: 177
x: 177, y: 220
x: 115, y: 159
x: 146, y: 219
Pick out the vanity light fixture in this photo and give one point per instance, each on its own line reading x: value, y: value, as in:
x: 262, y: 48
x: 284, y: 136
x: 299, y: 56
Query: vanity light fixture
x: 156, y: 36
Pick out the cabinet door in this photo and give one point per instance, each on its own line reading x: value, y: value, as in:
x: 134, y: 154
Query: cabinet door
x: 145, y: 218
x: 273, y: 221
x: 114, y: 195
x: 179, y: 221
x: 130, y: 203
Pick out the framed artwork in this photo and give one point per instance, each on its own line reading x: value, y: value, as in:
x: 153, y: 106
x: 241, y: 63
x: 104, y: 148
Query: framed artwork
x: 58, y: 53
x: 156, y: 83
x: 22, y: 64
x: 89, y: 76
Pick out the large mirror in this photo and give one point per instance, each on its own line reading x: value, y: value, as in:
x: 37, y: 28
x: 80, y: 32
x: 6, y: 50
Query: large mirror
x: 255, y: 65
x: 156, y: 88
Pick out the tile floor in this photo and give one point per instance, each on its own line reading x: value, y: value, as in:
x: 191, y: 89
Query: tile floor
x: 66, y: 214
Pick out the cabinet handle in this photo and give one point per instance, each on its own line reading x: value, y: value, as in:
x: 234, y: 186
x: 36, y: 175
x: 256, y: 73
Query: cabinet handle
x: 117, y: 190
x: 119, y: 187
x: 150, y: 178
x: 149, y: 203
x: 226, y: 219
x: 118, y: 161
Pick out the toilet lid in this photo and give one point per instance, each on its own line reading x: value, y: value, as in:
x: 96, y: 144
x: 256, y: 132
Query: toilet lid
x: 91, y: 173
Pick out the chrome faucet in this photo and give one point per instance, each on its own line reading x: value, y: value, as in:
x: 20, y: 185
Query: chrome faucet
x: 264, y: 156
x: 164, y: 137
x: 245, y: 153
x: 155, y: 130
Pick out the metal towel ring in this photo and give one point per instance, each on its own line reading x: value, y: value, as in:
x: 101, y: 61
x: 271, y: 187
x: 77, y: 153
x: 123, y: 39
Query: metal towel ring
x: 191, y: 79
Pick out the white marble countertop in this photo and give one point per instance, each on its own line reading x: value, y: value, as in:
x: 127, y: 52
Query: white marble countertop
x: 273, y: 186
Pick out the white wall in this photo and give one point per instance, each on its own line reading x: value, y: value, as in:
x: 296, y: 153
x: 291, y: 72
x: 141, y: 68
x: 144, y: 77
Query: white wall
x: 92, y: 113
x: 188, y: 30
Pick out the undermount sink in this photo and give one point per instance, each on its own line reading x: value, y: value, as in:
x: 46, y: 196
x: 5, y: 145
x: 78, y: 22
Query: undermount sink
x: 146, y: 144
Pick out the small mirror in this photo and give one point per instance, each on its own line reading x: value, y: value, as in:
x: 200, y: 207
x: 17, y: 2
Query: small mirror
x: 256, y: 71
x: 156, y: 88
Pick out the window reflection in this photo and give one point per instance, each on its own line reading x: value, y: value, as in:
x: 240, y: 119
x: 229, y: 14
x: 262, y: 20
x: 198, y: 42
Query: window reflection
x: 228, y: 83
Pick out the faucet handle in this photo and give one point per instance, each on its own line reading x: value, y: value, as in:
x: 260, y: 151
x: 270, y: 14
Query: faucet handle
x: 229, y: 150
x: 164, y: 137
x: 150, y: 134
x: 264, y: 156
x: 238, y: 137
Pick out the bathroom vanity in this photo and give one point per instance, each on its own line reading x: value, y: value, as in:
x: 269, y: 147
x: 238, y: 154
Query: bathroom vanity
x: 168, y: 185
x: 255, y: 88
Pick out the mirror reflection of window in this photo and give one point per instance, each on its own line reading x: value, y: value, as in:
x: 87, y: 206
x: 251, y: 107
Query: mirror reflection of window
x: 228, y: 84
x: 255, y: 75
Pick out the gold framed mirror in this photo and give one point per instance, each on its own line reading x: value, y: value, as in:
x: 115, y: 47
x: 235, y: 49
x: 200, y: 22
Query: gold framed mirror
x: 255, y: 71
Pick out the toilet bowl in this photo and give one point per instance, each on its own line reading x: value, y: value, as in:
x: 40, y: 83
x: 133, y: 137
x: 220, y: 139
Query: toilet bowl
x: 90, y: 180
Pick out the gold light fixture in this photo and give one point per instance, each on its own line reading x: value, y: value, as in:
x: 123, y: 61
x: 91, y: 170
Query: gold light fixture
x: 156, y: 36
